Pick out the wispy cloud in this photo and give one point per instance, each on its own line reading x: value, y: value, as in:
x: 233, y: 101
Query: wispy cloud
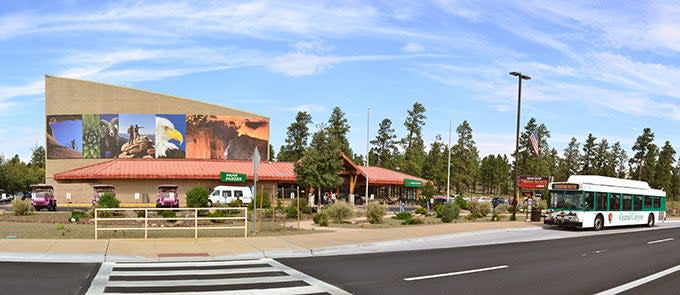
x: 412, y: 47
x: 302, y: 64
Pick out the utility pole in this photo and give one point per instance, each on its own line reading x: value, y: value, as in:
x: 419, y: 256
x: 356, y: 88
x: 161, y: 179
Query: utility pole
x: 520, y: 77
x: 368, y: 131
x: 448, y: 169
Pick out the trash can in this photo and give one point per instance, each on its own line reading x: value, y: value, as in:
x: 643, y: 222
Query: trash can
x: 535, y: 214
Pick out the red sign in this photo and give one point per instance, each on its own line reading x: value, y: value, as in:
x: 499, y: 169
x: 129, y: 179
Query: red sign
x: 533, y: 182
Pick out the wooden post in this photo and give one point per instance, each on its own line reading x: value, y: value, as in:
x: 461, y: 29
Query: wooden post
x: 297, y: 197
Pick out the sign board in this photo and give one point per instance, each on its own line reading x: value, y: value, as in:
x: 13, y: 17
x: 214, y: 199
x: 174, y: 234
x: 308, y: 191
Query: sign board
x: 232, y: 177
x: 533, y: 182
x: 136, y: 196
x: 292, y: 195
x: 412, y: 183
x: 565, y: 186
x: 68, y: 196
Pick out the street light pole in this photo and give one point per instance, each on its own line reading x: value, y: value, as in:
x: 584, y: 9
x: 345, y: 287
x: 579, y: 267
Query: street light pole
x: 448, y: 167
x: 520, y: 77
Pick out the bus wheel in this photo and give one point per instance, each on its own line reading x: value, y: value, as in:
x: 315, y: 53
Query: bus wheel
x: 599, y: 222
x: 650, y: 220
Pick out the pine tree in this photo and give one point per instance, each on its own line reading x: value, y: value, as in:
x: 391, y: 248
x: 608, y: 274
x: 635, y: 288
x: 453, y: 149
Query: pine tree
x: 296, y: 139
x: 527, y: 162
x: 664, y: 168
x: 588, y: 157
x: 337, y: 131
x: 620, y: 159
x: 414, y: 147
x: 640, y: 149
x: 600, y: 162
x: 649, y: 164
x: 384, y: 146
x: 464, y: 160
x: 435, y: 170
x: 321, y: 163
x: 570, y: 165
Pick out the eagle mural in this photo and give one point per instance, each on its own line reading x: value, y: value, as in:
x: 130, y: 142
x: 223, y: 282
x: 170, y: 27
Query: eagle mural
x: 169, y: 136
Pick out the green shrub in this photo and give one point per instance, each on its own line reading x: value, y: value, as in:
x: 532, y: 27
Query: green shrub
x: 495, y: 217
x: 339, y: 211
x: 461, y: 202
x: 479, y: 209
x: 235, y: 203
x: 413, y: 220
x: 421, y: 210
x: 292, y: 210
x: 140, y: 213
x: 197, y: 197
x: 438, y: 211
x: 502, y: 209
x: 107, y: 200
x: 218, y: 213
x: 262, y: 200
x: 267, y: 212
x: 22, y: 207
x: 375, y: 212
x: 449, y: 212
x: 77, y: 215
x: 307, y: 210
x: 402, y: 215
x: 167, y: 213
x: 321, y: 218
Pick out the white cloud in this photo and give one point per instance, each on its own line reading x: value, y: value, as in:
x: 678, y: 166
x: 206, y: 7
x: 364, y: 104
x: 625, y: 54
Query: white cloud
x: 302, y: 64
x: 33, y: 88
x: 312, y: 46
x: 413, y: 47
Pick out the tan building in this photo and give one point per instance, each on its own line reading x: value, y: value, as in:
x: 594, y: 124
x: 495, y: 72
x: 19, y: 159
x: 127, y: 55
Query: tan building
x: 137, y: 140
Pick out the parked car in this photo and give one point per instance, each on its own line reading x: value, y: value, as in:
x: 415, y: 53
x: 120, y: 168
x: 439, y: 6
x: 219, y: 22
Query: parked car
x: 167, y: 196
x: 5, y: 196
x: 226, y: 194
x: 42, y: 196
x: 483, y: 200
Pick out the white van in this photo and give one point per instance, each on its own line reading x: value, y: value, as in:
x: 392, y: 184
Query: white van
x: 227, y: 194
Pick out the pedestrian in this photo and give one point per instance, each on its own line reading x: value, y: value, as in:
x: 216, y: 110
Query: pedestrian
x: 401, y: 206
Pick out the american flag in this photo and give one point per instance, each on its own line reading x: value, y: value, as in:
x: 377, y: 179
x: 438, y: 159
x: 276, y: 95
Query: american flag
x: 534, y: 141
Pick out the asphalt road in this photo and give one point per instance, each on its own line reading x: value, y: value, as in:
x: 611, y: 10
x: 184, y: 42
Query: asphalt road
x: 46, y: 278
x: 585, y: 265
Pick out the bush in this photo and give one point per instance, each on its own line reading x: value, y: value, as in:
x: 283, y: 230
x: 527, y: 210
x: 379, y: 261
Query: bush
x: 140, y: 213
x: 262, y: 200
x: 449, y: 212
x: 321, y: 218
x: 235, y: 203
x: 21, y: 207
x: 478, y: 210
x: 495, y: 217
x: 461, y: 202
x: 413, y: 220
x: 167, y: 214
x: 375, y: 212
x: 291, y: 210
x: 77, y: 215
x: 402, y: 215
x: 339, y: 211
x: 218, y: 213
x: 197, y: 197
x: 502, y: 209
x: 421, y: 210
x: 107, y: 200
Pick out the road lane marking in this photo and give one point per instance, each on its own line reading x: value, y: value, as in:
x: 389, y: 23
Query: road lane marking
x: 455, y: 273
x: 639, y: 282
x: 660, y: 241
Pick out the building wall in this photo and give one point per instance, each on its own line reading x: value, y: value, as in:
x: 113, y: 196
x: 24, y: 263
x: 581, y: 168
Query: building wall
x: 81, y: 191
x: 76, y: 97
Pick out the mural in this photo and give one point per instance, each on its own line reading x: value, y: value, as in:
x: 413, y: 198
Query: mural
x: 226, y: 137
x: 170, y: 134
x: 109, y: 140
x: 64, y: 136
x: 138, y: 134
x: 177, y: 136
x: 91, y: 136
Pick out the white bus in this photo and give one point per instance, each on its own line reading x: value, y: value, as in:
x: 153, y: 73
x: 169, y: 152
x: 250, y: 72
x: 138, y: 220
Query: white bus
x: 591, y: 201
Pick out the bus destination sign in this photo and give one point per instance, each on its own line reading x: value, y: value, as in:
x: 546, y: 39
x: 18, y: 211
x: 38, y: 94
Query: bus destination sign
x: 565, y: 186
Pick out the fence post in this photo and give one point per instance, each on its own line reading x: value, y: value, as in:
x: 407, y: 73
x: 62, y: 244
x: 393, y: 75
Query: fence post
x: 95, y: 223
x: 245, y: 220
x: 195, y: 223
x: 146, y: 222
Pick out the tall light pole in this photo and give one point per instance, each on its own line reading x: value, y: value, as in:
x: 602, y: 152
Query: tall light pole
x: 448, y: 169
x: 368, y: 131
x: 520, y: 77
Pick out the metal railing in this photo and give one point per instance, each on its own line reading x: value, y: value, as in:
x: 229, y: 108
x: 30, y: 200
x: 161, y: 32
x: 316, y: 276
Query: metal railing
x: 146, y: 219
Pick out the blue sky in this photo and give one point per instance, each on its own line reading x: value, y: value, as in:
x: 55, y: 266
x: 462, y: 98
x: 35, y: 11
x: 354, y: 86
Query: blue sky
x: 596, y: 66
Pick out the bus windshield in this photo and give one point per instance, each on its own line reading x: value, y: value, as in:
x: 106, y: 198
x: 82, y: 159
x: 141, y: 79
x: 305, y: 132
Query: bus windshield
x: 571, y: 200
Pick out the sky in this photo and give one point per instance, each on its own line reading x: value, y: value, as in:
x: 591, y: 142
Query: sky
x: 597, y: 67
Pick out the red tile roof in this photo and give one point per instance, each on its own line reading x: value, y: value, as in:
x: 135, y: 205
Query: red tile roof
x: 379, y: 175
x: 177, y: 169
x: 208, y: 169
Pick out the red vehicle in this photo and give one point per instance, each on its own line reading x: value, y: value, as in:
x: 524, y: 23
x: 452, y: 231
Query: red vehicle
x: 167, y: 196
x: 99, y: 190
x: 42, y: 196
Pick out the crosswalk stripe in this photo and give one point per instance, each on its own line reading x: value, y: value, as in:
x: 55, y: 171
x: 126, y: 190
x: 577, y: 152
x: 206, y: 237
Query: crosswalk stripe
x: 171, y: 283
x: 259, y: 276
x: 278, y: 291
x: 187, y: 264
x: 192, y: 272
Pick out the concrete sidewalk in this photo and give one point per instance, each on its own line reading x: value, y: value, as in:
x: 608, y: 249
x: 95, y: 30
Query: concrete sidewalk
x: 333, y: 240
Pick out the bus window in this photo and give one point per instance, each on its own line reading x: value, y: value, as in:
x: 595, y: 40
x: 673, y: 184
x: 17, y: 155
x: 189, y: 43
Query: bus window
x: 601, y: 201
x: 648, y: 202
x: 614, y: 202
x: 589, y: 201
x: 657, y: 202
x: 627, y: 203
x: 637, y: 203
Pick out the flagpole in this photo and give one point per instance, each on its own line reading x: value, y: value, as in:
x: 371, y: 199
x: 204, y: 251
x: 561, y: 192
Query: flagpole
x: 368, y: 128
x: 448, y: 169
